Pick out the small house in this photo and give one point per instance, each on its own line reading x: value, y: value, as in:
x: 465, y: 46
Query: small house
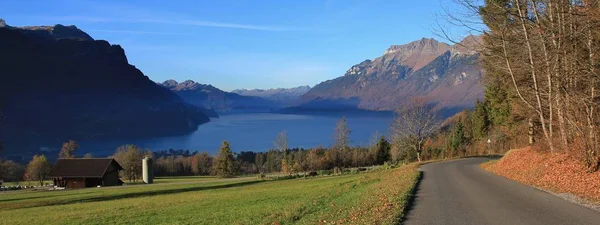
x: 81, y: 173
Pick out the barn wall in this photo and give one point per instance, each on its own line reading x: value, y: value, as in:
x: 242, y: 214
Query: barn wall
x: 111, y: 178
x: 93, y: 182
x: 75, y: 182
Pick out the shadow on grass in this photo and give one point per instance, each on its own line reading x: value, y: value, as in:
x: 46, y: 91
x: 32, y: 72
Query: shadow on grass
x: 412, y: 198
x: 34, y: 197
x: 139, y: 194
x: 185, y: 178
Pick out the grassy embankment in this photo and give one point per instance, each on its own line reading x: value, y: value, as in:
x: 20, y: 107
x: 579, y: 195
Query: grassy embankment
x: 557, y: 172
x: 367, y: 198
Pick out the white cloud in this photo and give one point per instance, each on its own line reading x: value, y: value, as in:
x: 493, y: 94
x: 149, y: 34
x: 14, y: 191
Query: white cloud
x: 199, y: 23
x: 136, y: 32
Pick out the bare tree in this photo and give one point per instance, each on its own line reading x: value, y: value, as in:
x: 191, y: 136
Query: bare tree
x: 202, y: 163
x: 281, y: 141
x: 342, y: 135
x: 130, y: 158
x: 412, y: 126
x: 68, y: 149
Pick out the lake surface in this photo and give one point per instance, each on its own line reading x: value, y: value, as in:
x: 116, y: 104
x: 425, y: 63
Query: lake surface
x: 256, y: 132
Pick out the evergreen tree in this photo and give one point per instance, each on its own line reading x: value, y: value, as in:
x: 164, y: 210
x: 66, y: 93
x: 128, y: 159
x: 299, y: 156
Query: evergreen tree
x: 458, y: 136
x: 381, y: 152
x: 481, y: 123
x: 225, y: 162
x: 498, y: 106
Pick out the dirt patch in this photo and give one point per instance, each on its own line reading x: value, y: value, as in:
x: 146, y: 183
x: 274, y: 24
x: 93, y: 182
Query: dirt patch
x: 556, y: 172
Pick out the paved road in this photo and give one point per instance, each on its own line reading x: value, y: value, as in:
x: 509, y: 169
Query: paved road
x: 459, y: 192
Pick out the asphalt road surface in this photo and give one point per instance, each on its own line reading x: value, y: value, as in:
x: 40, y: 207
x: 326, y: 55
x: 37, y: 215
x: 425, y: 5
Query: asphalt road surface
x: 459, y: 192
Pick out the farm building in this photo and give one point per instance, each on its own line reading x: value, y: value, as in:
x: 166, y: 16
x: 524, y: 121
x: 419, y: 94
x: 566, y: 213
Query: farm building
x: 81, y: 173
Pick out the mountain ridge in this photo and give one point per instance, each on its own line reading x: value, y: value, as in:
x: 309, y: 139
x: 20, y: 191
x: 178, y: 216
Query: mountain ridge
x: 283, y: 96
x: 447, y: 75
x: 217, y: 100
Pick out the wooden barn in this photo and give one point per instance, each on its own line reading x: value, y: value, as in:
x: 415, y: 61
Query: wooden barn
x: 81, y: 173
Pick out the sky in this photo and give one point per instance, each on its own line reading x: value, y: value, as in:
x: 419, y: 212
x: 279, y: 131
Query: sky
x: 243, y: 43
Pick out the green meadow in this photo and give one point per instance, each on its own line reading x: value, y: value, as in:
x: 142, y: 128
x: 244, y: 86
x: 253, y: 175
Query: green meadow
x: 377, y: 197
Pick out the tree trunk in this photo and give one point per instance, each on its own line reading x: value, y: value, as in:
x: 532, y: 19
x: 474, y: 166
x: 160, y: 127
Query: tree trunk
x: 533, y: 68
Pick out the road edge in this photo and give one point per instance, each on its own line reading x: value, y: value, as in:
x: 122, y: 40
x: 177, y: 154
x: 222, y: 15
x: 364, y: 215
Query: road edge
x: 410, y: 197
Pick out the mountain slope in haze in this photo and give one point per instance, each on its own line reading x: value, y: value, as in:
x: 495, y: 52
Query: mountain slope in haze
x: 207, y: 96
x: 447, y: 76
x: 283, y: 96
x: 58, y: 84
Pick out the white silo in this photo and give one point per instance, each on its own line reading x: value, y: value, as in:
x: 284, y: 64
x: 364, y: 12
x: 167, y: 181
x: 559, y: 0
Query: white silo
x: 147, y: 172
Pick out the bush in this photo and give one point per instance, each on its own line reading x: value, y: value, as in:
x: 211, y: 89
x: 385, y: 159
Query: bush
x: 351, y: 171
x: 386, y: 166
x: 325, y: 172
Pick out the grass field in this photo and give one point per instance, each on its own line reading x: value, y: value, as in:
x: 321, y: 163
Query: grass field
x: 376, y: 197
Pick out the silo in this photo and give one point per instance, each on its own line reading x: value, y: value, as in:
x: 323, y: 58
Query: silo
x: 147, y: 172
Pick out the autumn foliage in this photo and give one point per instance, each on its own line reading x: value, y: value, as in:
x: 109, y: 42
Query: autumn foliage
x: 558, y: 172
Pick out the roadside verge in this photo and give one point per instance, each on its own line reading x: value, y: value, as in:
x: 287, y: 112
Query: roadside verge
x: 556, y: 173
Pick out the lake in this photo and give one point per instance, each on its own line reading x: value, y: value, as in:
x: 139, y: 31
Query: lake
x: 256, y: 132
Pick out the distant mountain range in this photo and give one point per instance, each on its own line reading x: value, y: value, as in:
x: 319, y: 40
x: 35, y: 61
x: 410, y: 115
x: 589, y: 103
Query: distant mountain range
x: 58, y: 83
x: 216, y: 100
x: 283, y: 96
x: 446, y: 75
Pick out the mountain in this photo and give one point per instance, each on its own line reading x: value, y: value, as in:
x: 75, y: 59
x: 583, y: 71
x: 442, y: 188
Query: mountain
x: 207, y: 96
x: 58, y: 83
x: 283, y: 96
x: 446, y: 75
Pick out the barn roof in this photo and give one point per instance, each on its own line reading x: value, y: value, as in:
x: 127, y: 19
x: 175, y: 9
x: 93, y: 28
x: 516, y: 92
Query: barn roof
x: 81, y: 167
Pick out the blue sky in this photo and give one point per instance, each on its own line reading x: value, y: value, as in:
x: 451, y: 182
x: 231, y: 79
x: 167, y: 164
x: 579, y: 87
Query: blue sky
x: 244, y: 43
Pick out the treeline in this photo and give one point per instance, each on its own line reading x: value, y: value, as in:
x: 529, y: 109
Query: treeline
x: 542, y: 68
x: 289, y: 161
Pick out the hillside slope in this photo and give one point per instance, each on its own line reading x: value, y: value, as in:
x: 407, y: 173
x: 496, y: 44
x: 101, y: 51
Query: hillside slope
x: 446, y: 75
x: 58, y: 83
x: 212, y: 98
